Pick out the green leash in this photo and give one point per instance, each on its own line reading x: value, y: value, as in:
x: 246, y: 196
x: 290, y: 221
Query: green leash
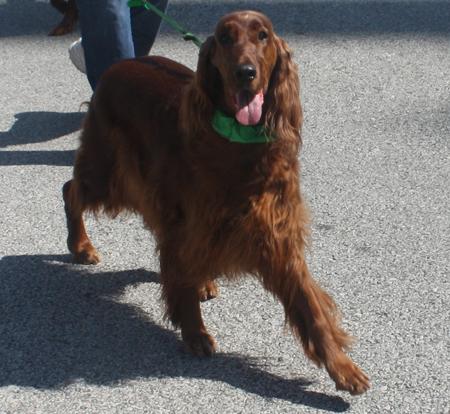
x: 186, y: 35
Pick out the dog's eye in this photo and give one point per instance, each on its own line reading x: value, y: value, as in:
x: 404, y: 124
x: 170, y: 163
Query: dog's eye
x: 262, y: 35
x: 225, y: 38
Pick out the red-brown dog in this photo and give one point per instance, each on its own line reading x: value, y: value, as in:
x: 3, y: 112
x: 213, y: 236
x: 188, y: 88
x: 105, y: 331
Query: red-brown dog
x: 165, y: 142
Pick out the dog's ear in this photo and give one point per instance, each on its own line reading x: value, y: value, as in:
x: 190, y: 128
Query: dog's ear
x: 284, y: 112
x: 197, y: 103
x: 206, y: 70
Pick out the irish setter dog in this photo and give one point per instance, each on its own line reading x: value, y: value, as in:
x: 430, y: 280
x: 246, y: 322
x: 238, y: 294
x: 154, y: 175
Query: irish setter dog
x: 217, y: 207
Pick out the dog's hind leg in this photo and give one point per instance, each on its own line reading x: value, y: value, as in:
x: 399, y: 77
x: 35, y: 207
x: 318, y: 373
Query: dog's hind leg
x: 60, y: 5
x: 69, y: 20
x: 182, y: 299
x: 187, y: 314
x: 78, y: 241
x: 209, y: 291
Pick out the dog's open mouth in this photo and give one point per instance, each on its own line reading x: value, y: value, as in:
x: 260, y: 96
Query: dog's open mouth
x: 248, y: 107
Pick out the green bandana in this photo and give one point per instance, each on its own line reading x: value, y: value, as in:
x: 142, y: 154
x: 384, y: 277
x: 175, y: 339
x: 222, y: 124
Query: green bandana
x: 231, y: 129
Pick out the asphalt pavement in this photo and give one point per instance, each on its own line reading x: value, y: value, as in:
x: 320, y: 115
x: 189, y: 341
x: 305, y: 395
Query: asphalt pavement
x: 375, y: 78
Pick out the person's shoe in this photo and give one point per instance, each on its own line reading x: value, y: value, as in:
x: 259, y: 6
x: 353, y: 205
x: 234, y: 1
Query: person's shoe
x: 76, y: 54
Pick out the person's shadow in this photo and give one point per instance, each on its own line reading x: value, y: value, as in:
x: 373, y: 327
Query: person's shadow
x: 35, y: 127
x: 60, y: 323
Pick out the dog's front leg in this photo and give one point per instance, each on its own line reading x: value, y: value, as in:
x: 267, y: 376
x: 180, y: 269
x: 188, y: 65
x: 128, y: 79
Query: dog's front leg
x: 313, y: 317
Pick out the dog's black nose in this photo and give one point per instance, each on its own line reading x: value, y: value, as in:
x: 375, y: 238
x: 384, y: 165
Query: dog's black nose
x: 245, y: 73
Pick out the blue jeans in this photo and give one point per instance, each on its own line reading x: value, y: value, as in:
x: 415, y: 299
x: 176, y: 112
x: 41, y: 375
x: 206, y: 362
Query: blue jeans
x: 112, y: 31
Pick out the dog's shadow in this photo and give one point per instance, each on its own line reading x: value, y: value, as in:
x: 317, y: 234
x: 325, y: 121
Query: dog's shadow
x: 60, y: 323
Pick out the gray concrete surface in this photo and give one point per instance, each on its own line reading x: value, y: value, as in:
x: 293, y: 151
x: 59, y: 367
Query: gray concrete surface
x: 375, y: 81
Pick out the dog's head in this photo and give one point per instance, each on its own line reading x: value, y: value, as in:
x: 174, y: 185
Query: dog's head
x: 247, y: 71
x: 245, y: 54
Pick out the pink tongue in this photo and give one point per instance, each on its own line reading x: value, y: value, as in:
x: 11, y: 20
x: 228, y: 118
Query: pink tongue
x: 249, y: 107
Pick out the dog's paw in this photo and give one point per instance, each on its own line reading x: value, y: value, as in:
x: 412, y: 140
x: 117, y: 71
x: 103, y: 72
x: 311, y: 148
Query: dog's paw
x: 86, y: 257
x: 61, y: 30
x: 348, y: 377
x: 208, y: 292
x: 201, y: 344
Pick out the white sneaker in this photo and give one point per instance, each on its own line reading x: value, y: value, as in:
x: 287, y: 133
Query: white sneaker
x: 76, y: 54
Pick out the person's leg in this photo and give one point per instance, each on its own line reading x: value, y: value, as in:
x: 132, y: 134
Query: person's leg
x: 145, y: 26
x: 106, y: 33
